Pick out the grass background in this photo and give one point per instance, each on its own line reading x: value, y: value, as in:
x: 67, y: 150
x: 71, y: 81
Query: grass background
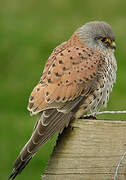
x: 29, y: 30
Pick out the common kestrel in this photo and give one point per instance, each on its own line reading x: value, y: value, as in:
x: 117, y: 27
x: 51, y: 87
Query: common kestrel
x: 78, y: 77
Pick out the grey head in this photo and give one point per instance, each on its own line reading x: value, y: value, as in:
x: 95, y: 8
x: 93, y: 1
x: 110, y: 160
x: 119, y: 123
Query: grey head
x: 97, y: 34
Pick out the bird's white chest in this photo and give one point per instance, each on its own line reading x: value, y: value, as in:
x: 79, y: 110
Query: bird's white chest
x: 110, y: 78
x: 99, y: 98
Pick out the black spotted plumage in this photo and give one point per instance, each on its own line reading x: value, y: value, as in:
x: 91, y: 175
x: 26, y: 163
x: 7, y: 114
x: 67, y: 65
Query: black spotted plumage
x: 77, y: 78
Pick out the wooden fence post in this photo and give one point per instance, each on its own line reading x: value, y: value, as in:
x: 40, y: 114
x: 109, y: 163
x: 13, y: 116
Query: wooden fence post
x: 89, y: 150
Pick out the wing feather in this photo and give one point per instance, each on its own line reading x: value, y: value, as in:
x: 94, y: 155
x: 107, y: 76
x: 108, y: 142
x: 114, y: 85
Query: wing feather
x: 71, y: 72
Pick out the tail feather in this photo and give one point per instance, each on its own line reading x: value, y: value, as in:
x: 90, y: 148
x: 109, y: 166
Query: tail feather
x: 18, y: 169
x: 46, y: 127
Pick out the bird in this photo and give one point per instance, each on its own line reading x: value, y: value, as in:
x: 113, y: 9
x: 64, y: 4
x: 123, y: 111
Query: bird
x: 78, y: 77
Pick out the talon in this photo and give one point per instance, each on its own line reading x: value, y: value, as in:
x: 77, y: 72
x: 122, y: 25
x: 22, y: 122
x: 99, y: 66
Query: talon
x: 89, y: 117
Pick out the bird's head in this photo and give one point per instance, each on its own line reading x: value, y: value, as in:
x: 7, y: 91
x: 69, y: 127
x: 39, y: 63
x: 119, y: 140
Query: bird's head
x: 98, y: 34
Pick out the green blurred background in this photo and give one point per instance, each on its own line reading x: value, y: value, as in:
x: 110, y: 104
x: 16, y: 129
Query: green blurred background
x: 29, y: 30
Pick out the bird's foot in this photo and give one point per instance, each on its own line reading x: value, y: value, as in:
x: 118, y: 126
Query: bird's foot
x: 88, y: 117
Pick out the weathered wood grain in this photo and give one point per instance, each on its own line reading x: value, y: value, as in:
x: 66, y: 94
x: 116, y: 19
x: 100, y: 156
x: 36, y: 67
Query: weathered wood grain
x: 88, y: 150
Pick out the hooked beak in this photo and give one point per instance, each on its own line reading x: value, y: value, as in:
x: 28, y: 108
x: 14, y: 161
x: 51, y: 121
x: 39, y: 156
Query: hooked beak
x: 113, y: 45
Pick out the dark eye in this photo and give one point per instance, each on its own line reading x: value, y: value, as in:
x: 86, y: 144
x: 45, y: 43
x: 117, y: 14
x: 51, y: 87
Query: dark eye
x: 103, y: 39
x: 106, y: 41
